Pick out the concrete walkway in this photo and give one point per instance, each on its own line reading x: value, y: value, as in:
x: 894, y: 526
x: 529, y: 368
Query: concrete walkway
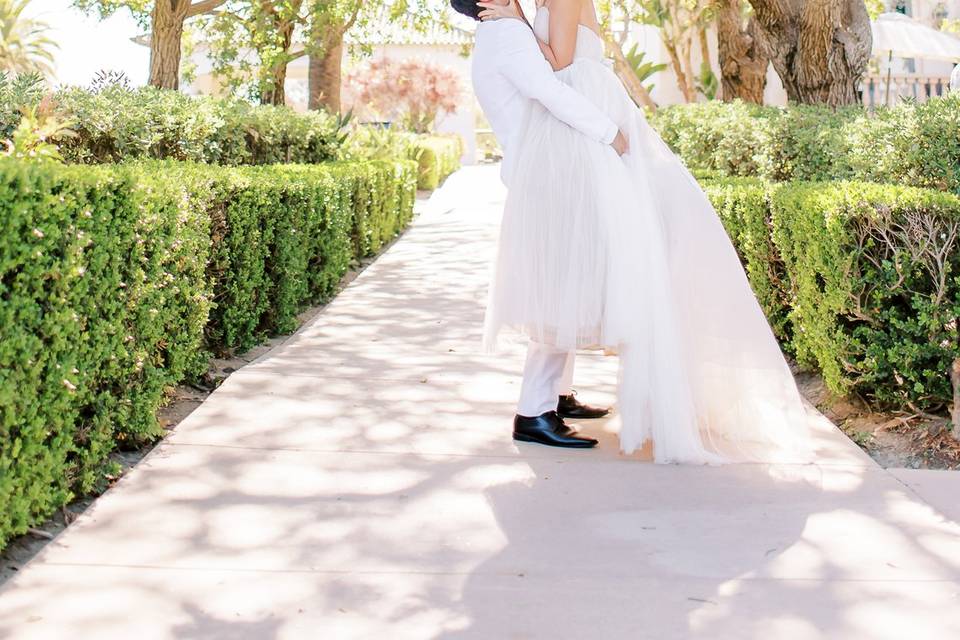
x: 359, y: 482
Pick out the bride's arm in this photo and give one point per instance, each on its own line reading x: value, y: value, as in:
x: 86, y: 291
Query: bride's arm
x: 564, y: 18
x: 548, y: 54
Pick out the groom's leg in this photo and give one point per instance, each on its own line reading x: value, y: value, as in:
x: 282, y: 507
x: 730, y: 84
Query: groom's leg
x: 569, y: 406
x: 537, y: 419
x: 543, y: 374
x: 565, y: 384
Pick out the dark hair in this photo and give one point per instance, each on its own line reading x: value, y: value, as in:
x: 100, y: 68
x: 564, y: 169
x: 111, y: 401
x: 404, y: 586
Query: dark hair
x: 466, y: 7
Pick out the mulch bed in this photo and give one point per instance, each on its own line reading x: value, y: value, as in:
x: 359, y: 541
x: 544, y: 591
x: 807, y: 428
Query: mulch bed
x: 893, y: 439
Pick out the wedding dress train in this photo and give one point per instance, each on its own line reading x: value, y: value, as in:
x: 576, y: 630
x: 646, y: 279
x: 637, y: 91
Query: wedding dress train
x: 627, y: 253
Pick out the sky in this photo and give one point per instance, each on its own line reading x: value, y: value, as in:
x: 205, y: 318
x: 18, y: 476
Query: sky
x: 88, y: 44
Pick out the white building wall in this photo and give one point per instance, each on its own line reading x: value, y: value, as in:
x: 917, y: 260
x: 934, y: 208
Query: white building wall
x: 924, y: 11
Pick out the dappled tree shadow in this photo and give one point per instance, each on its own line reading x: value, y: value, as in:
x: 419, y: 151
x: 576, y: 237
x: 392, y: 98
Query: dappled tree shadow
x: 359, y: 482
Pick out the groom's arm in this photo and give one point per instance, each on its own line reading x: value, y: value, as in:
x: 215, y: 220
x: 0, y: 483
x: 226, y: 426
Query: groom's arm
x: 524, y: 65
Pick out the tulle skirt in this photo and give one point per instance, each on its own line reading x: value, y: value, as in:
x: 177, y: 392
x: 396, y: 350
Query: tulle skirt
x: 599, y: 251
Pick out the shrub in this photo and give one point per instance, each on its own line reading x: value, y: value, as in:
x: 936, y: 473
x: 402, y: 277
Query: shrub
x: 913, y: 144
x: 388, y: 191
x: 874, y: 271
x: 807, y: 143
x: 878, y: 144
x: 115, y: 280
x: 932, y: 151
x: 438, y: 157
x: 284, y: 235
x: 114, y: 122
x: 17, y: 93
x: 102, y: 307
x: 729, y: 138
x: 372, y: 142
x: 859, y: 280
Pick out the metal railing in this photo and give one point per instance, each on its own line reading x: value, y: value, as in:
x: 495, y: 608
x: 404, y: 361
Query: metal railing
x: 920, y: 88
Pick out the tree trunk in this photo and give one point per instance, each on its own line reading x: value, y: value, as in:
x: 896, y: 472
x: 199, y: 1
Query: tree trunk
x: 704, y: 46
x: 282, y: 19
x: 689, y: 73
x: 275, y: 92
x: 323, y: 78
x: 743, y: 65
x: 682, y: 81
x: 819, y: 48
x: 166, y: 31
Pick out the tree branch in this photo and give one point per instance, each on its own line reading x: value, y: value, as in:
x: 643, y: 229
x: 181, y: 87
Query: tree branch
x: 204, y: 6
x: 353, y: 18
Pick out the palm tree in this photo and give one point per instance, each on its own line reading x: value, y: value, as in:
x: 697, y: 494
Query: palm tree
x: 24, y: 45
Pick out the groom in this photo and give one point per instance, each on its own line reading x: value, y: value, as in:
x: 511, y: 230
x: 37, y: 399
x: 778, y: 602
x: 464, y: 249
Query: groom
x: 509, y: 72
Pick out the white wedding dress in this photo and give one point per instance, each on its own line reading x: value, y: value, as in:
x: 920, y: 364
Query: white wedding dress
x: 599, y: 251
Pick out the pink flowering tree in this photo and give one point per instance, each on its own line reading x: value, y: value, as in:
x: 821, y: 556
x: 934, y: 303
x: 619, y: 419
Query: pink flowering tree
x: 410, y: 93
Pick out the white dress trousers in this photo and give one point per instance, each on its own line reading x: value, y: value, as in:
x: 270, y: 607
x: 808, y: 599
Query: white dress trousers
x: 547, y: 374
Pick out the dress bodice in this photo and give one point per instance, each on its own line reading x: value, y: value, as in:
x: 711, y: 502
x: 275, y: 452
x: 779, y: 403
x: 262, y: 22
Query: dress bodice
x: 589, y: 44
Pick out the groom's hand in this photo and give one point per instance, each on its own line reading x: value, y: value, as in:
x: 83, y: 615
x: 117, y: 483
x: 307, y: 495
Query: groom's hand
x: 620, y: 144
x: 496, y: 9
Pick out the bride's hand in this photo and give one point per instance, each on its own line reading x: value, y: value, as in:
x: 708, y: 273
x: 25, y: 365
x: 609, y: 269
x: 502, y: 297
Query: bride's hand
x: 495, y: 10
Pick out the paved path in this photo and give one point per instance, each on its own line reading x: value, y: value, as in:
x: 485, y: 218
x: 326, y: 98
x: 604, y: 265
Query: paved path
x: 359, y: 482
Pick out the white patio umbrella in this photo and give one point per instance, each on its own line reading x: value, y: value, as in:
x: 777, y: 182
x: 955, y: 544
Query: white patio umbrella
x: 898, y: 35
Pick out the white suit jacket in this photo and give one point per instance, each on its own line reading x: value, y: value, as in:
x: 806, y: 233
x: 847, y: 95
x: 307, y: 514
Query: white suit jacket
x: 509, y: 71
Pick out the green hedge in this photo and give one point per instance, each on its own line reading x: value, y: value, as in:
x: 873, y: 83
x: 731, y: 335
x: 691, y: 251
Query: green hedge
x: 115, y: 281
x: 860, y: 280
x: 438, y: 157
x: 875, y: 276
x: 114, y: 122
x: 320, y: 219
x: 912, y: 144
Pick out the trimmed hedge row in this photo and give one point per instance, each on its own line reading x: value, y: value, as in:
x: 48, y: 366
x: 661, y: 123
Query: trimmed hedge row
x: 102, y: 305
x: 289, y: 233
x: 438, y: 157
x: 115, y: 122
x: 860, y: 280
x: 912, y: 144
x: 116, y: 280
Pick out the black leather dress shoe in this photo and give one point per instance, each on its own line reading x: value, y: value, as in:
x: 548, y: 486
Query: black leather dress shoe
x: 549, y: 429
x: 570, y: 407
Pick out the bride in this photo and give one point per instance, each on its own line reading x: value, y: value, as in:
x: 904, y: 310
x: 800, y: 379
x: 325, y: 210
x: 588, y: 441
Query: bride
x: 627, y: 254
